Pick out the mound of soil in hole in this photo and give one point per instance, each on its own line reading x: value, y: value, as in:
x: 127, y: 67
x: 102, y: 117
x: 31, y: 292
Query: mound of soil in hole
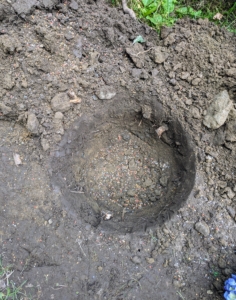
x: 114, y: 171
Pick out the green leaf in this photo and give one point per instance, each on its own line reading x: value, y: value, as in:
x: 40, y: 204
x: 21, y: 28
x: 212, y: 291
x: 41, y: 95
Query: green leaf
x: 188, y: 11
x: 1, y: 296
x: 155, y: 19
x: 168, y: 6
x: 182, y: 10
x: 138, y: 39
x: 149, y: 10
x: 147, y: 2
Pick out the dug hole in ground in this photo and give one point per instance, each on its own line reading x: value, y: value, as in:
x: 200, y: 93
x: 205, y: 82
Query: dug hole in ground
x: 118, y: 160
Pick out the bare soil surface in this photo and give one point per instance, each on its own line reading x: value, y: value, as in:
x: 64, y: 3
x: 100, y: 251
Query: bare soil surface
x: 111, y: 185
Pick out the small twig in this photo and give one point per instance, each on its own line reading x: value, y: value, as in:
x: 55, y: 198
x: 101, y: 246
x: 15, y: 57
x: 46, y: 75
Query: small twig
x: 181, y: 296
x: 8, y: 275
x: 81, y: 248
x: 59, y: 287
x: 77, y: 192
x: 123, y: 214
x: 142, y: 52
x: 135, y: 280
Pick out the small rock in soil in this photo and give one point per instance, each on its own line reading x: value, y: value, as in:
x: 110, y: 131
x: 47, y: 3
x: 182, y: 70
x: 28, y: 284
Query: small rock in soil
x: 93, y: 58
x: 136, y: 72
x: 165, y: 31
x: 196, y: 81
x: 164, y: 180
x: 106, y: 93
x: 7, y: 44
x: 231, y: 72
x: 60, y: 102
x: 132, y: 165
x: 32, y: 123
x: 74, y: 5
x: 231, y: 211
x: 147, y: 182
x: 231, y: 127
x: 45, y: 144
x: 229, y: 192
x: 218, y: 111
x: 8, y: 83
x: 195, y: 113
x: 184, y: 75
x: 202, y: 228
x: 57, y: 123
x: 147, y: 111
x: 5, y: 109
x: 170, y: 39
x: 136, y: 53
x: 150, y: 260
x: 136, y: 260
x: 24, y: 7
x: 160, y: 54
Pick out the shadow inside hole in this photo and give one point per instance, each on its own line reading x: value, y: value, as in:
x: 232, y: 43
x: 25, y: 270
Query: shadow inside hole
x: 117, y: 144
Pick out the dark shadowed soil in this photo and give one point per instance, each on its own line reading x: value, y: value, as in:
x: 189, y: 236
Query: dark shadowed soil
x: 111, y: 185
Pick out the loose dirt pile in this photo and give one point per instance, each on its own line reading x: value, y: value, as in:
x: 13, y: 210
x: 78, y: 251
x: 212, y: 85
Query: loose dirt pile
x: 95, y: 204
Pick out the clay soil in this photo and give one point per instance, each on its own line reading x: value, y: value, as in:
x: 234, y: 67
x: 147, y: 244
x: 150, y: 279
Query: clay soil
x: 76, y: 168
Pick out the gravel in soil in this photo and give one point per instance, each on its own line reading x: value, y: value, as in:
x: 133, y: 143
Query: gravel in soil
x: 131, y: 174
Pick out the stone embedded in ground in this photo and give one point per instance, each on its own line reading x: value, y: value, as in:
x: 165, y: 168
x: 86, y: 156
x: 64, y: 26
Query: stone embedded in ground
x: 24, y: 6
x: 60, y: 103
x: 147, y: 111
x: 231, y: 211
x: 136, y: 72
x: 148, y: 182
x: 231, y: 127
x: 57, y: 123
x: 45, y: 145
x: 195, y: 112
x: 136, y: 53
x: 7, y: 44
x: 184, y: 75
x: 164, y: 181
x: 106, y: 93
x: 24, y: 83
x: 8, y: 83
x: 218, y: 110
x: 202, y: 228
x: 150, y: 260
x: 160, y: 54
x: 131, y: 193
x: 93, y: 58
x: 136, y: 260
x: 48, y: 4
x: 74, y: 5
x: 229, y: 192
x: 170, y: 39
x: 196, y: 81
x: 165, y: 31
x: 132, y: 165
x: 231, y: 72
x: 32, y: 123
x: 5, y: 109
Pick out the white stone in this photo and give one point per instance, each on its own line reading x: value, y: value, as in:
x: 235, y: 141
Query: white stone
x: 218, y: 111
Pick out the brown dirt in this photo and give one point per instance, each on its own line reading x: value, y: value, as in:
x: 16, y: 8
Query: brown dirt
x: 100, y: 207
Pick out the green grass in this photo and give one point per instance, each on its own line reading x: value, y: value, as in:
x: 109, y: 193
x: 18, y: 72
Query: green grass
x: 166, y: 12
x: 8, y: 289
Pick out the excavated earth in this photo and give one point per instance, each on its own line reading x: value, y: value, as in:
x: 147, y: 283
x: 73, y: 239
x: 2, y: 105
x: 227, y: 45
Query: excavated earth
x: 111, y: 185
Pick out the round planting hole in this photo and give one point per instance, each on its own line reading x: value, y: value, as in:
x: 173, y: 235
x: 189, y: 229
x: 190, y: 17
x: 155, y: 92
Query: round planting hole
x: 119, y: 170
